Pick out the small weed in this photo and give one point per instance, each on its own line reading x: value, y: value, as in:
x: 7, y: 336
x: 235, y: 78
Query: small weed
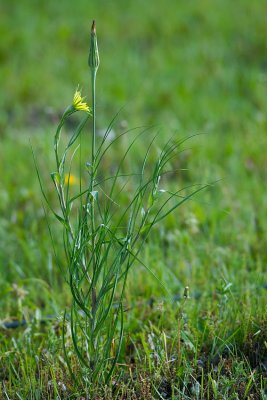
x: 102, y: 237
x: 195, y: 70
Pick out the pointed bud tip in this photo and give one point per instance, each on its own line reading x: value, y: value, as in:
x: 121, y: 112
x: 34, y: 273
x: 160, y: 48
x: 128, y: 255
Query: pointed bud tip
x: 93, y: 29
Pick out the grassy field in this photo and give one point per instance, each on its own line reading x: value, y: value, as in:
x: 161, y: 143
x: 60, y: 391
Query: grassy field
x: 185, y: 69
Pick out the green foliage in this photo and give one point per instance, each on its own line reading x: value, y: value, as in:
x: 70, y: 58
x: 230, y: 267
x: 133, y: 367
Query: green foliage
x: 104, y: 231
x: 191, y: 67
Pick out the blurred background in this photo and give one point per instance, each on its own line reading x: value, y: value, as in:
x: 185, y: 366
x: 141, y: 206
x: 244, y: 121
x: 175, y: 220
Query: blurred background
x: 190, y: 65
x: 185, y: 67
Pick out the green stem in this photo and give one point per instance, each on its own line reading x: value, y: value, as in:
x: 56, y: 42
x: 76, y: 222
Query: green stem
x: 92, y: 182
x: 93, y: 78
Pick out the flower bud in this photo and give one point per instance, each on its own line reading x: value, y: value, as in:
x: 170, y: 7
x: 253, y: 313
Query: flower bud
x: 93, y: 60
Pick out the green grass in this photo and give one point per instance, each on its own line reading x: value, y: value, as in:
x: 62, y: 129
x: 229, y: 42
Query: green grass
x: 187, y: 68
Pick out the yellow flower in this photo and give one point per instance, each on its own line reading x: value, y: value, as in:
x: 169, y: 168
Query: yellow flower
x: 78, y: 102
x: 71, y: 180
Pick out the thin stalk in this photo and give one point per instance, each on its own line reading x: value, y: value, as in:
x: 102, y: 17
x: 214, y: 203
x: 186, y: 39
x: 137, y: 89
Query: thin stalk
x: 92, y: 215
x: 93, y: 83
x: 93, y: 63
